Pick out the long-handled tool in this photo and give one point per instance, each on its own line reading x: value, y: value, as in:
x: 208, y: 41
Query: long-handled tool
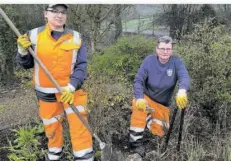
x: 170, y: 130
x: 171, y: 127
x: 180, y: 129
x: 9, y: 22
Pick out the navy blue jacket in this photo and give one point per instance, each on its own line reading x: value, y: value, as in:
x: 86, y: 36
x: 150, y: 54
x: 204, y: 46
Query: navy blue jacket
x: 157, y: 80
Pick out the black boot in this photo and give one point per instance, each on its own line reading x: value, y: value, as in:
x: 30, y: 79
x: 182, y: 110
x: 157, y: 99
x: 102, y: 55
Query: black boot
x: 139, y: 149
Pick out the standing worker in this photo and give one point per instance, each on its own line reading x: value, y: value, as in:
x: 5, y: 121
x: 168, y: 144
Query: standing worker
x: 63, y: 52
x: 153, y: 87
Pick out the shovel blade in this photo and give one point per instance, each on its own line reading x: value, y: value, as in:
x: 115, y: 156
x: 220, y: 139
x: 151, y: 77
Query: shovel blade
x: 107, y: 154
x: 134, y: 157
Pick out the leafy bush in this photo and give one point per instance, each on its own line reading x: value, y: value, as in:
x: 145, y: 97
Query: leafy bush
x: 8, y: 47
x: 113, y: 69
x: 26, y: 145
x: 121, y: 60
x: 111, y: 73
x: 207, y: 54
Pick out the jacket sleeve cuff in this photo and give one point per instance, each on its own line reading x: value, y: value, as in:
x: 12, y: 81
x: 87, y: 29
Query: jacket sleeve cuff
x: 22, y: 51
x: 71, y: 87
x: 76, y: 83
x: 139, y: 97
x: 182, y: 90
x: 24, y: 57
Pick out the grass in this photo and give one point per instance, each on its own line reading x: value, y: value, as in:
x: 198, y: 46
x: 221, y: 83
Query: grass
x: 195, y: 150
x: 202, y: 140
x: 2, y: 107
x: 26, y: 146
x: 145, y: 24
x: 8, y: 106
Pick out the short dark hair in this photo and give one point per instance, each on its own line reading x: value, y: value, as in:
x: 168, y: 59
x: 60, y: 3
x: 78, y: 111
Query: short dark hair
x: 52, y: 6
x: 165, y: 39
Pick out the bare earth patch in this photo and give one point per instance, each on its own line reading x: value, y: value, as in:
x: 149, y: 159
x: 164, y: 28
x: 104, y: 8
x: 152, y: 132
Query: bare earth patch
x: 18, y: 105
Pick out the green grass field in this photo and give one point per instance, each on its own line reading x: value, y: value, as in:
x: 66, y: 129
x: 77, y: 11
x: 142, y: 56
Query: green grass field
x: 145, y: 24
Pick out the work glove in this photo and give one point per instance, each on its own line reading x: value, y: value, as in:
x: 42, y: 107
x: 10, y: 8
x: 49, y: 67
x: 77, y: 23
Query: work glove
x: 181, y: 99
x: 23, y: 44
x: 141, y: 104
x: 68, y: 94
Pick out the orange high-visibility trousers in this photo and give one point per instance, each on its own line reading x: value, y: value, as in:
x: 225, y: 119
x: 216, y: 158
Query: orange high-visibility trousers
x: 157, y: 121
x: 52, y: 114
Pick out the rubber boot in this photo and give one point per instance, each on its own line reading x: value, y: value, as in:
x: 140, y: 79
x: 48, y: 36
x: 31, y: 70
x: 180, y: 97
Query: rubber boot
x: 139, y: 149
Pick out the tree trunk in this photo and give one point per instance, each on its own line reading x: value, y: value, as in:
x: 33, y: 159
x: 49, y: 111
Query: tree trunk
x: 93, y: 46
x: 118, y: 22
x: 173, y: 21
x: 176, y: 21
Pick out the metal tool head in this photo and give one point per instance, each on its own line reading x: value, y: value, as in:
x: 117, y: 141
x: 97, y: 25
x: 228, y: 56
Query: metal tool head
x: 102, y: 145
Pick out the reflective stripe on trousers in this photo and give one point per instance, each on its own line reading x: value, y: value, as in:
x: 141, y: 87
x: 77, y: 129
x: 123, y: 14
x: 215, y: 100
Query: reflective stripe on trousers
x: 54, y: 153
x: 51, y: 114
x: 136, y: 134
x: 156, y: 121
x: 84, y: 155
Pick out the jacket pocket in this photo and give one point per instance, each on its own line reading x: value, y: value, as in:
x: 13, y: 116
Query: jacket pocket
x: 69, y: 46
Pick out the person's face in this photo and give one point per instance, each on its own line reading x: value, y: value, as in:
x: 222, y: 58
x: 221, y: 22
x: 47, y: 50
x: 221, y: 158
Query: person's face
x: 164, y: 51
x: 56, y: 17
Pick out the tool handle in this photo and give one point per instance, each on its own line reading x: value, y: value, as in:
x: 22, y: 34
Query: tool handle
x: 9, y: 22
x: 170, y: 129
x: 180, y: 129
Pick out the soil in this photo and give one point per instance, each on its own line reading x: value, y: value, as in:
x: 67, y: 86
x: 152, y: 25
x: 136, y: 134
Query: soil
x: 3, y: 142
x: 18, y: 105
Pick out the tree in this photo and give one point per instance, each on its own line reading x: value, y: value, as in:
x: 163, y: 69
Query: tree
x: 118, y: 21
x: 8, y: 48
x: 182, y: 18
x: 95, y: 22
x: 99, y: 24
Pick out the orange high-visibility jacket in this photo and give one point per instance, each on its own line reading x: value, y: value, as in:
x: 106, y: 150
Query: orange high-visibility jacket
x: 58, y: 56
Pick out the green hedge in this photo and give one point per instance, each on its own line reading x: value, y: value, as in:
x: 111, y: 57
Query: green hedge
x: 121, y: 60
x: 207, y: 54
